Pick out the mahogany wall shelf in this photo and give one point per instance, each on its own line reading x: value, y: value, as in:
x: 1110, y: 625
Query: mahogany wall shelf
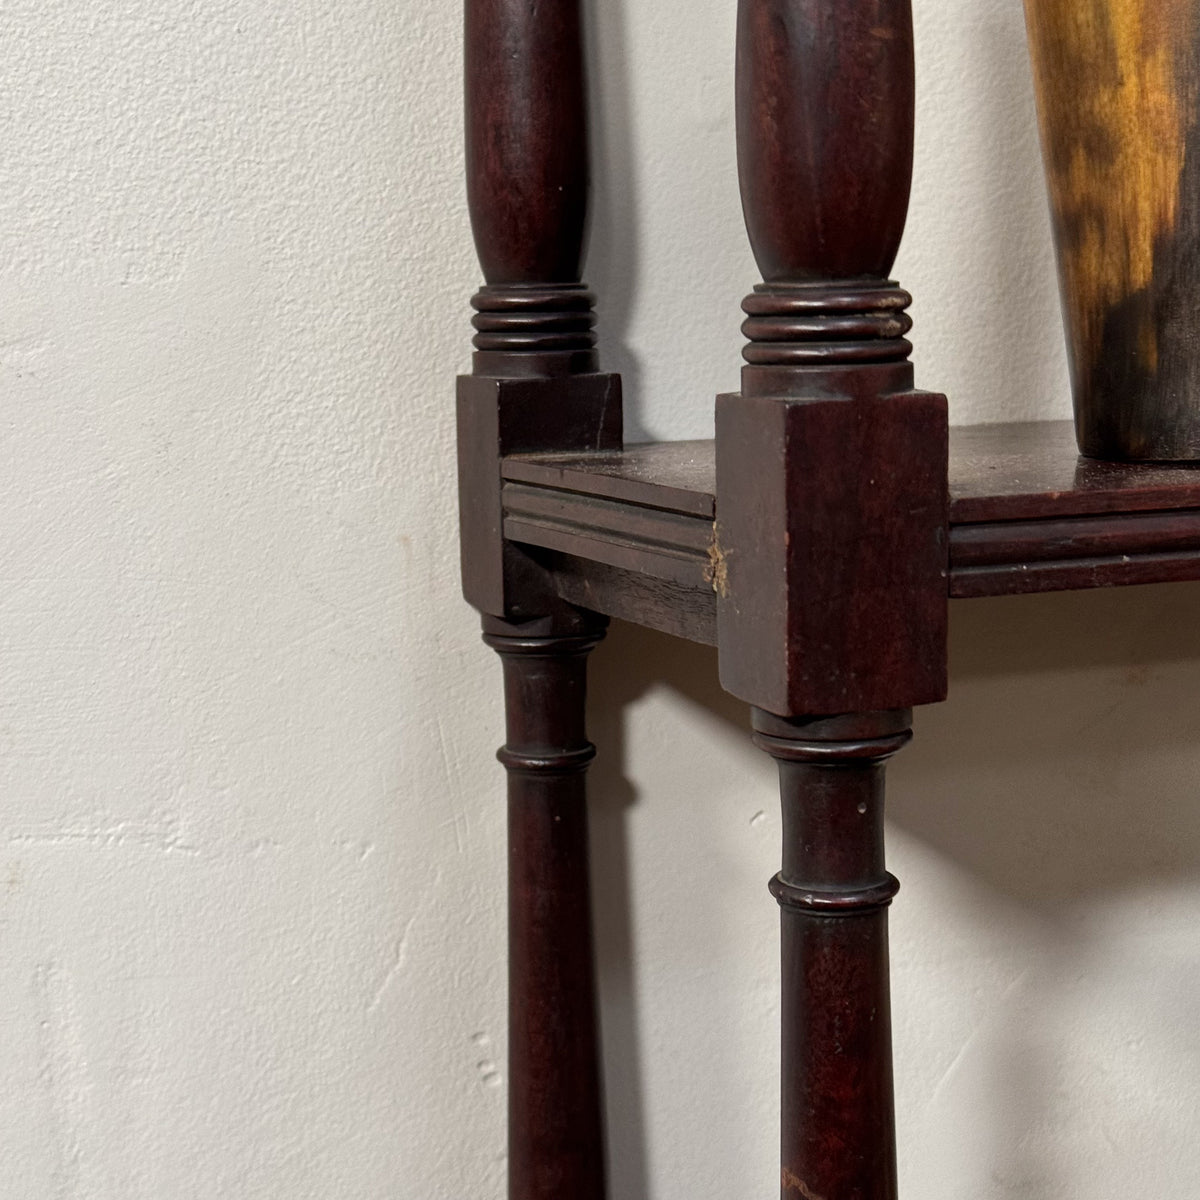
x: 816, y: 542
x: 1027, y: 514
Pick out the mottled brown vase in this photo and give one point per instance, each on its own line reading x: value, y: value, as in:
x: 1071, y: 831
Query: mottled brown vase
x: 1117, y: 87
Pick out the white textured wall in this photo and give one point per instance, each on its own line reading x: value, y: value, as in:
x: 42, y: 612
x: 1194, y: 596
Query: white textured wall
x: 251, y: 937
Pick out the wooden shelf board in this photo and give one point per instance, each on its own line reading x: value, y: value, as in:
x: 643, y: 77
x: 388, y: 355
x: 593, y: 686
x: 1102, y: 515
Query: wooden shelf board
x: 1032, y: 470
x: 671, y: 476
x: 1027, y: 514
x: 1023, y: 471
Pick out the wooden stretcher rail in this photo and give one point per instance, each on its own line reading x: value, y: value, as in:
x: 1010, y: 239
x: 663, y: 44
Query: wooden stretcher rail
x: 1027, y: 514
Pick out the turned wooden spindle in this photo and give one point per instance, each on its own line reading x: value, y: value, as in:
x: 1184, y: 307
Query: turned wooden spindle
x: 536, y: 387
x: 832, y: 520
x: 831, y: 469
x: 527, y: 186
x: 535, y: 384
x: 556, y: 1146
x: 838, y: 1117
x: 825, y: 134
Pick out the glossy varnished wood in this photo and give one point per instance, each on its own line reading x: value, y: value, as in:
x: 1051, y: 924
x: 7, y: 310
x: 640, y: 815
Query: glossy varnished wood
x: 672, y: 476
x: 501, y: 416
x: 528, y: 178
x: 830, y: 551
x: 816, y: 543
x: 673, y: 546
x: 556, y: 1145
x: 535, y: 387
x: 831, y: 591
x: 836, y: 208
x: 631, y: 533
x: 1027, y: 513
x: 833, y: 891
x: 1032, y: 470
x: 827, y: 444
x: 1003, y: 471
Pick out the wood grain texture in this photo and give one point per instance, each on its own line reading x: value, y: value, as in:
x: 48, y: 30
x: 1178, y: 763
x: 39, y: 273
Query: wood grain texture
x: 825, y: 97
x: 535, y: 386
x: 831, y: 517
x: 674, y: 476
x: 820, y: 204
x: 671, y: 546
x: 1017, y: 470
x: 687, y: 611
x: 1117, y: 86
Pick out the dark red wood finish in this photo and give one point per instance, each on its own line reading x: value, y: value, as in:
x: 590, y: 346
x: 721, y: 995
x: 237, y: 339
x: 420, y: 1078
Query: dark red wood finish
x: 816, y: 542
x: 833, y: 595
x: 825, y: 130
x: 831, y: 470
x: 527, y: 186
x: 536, y: 387
x: 825, y: 135
x: 535, y: 384
x: 503, y: 416
x: 1027, y: 514
x: 556, y: 1147
x: 1031, y: 471
x: 832, y: 534
x: 838, y: 1119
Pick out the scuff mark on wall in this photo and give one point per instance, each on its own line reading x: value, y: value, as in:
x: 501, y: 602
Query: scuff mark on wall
x: 166, y: 837
x: 65, y: 1074
x: 400, y: 955
x: 397, y: 965
x: 458, y: 816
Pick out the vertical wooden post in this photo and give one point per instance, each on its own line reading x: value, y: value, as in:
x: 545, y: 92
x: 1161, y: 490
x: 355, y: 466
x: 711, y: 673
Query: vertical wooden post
x: 536, y: 387
x: 831, y: 470
x: 527, y: 186
x: 838, y: 1118
x: 535, y: 384
x: 556, y: 1147
x: 832, y: 519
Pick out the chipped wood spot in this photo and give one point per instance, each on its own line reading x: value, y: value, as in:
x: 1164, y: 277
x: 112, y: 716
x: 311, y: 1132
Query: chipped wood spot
x: 717, y: 571
x: 793, y: 1183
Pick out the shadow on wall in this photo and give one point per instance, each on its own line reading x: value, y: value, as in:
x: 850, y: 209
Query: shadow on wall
x: 1063, y: 708
x: 1076, y: 697
x: 1061, y: 773
x: 634, y: 661
x: 613, y: 257
x: 1011, y: 238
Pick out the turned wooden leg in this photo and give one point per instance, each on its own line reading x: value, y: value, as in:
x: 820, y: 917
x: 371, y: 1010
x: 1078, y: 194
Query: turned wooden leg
x: 839, y: 1137
x: 556, y: 1143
